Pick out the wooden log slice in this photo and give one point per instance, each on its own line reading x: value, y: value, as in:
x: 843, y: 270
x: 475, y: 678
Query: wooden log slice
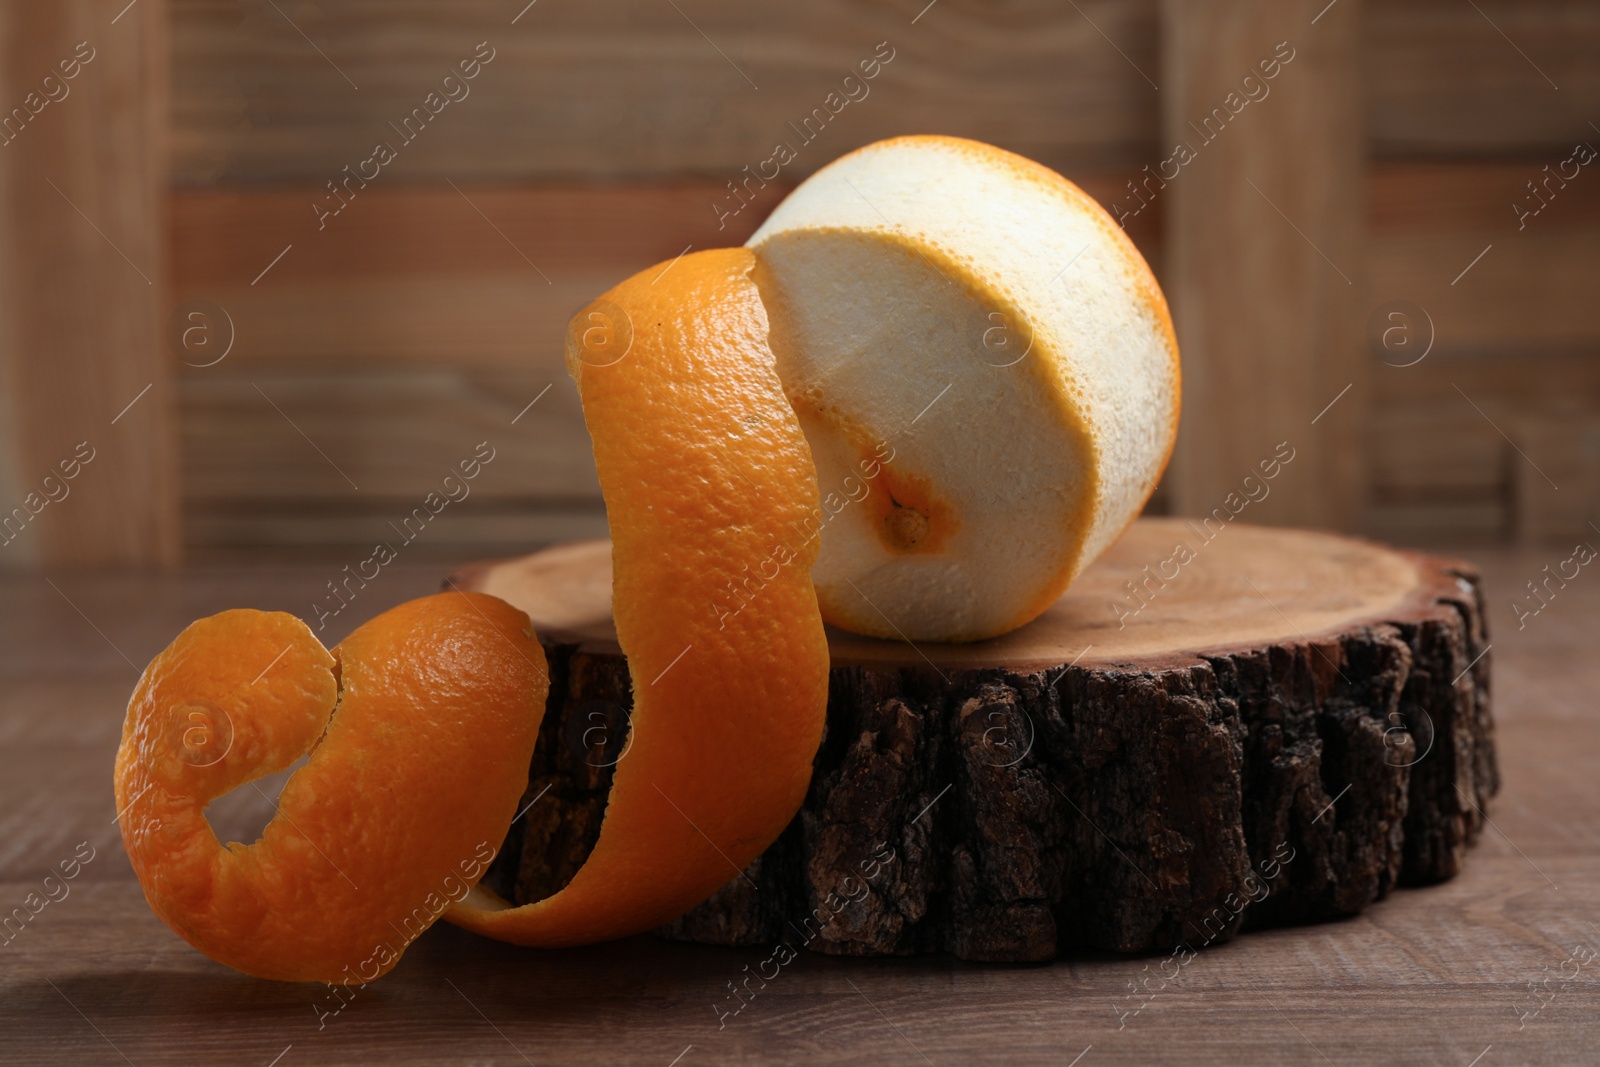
x: 1214, y: 729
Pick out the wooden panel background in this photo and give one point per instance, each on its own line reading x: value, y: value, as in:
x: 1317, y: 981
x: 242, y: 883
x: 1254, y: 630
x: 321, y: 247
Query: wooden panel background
x: 1260, y: 219
x: 634, y: 89
x: 376, y: 353
x: 1516, y: 346
x: 1493, y: 77
x: 83, y: 181
x: 426, y: 315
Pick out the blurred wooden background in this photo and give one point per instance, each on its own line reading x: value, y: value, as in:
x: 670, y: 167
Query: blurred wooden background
x: 249, y: 382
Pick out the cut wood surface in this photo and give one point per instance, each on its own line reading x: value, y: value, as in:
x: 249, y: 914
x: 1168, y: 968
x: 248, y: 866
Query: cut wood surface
x: 1215, y: 727
x: 1428, y: 975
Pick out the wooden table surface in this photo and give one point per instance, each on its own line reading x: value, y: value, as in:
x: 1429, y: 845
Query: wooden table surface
x: 1480, y: 970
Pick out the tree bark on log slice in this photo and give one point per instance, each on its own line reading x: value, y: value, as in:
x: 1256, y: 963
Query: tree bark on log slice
x: 1214, y: 729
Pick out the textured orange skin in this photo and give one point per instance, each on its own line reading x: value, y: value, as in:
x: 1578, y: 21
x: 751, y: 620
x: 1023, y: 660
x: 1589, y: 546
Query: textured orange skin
x: 402, y: 802
x: 703, y: 467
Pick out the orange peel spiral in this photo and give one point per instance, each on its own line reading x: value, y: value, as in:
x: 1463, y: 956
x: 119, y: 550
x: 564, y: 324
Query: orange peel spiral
x: 419, y: 726
x: 709, y: 488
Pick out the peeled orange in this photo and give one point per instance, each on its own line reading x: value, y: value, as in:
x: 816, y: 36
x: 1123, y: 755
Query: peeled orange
x: 985, y: 323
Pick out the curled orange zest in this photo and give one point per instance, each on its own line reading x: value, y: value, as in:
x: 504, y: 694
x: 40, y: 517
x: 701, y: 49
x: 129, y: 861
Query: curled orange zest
x: 419, y: 727
x: 711, y: 495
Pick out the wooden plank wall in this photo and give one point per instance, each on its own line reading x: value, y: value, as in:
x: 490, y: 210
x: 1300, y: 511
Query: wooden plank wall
x: 1264, y: 238
x: 373, y: 348
x: 1467, y: 104
x: 86, y: 409
x: 425, y: 315
x: 1458, y: 441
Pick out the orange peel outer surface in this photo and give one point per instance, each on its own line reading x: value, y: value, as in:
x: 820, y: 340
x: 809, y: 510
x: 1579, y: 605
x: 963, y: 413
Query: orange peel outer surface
x: 711, y: 494
x: 420, y: 726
